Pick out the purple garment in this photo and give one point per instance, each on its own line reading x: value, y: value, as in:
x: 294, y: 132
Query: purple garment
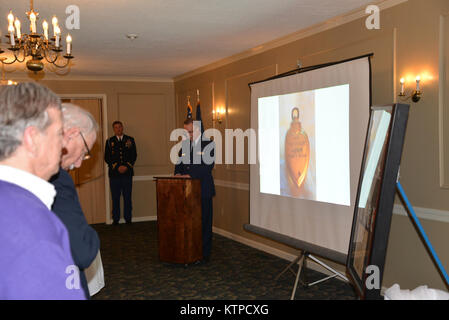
x: 34, y: 250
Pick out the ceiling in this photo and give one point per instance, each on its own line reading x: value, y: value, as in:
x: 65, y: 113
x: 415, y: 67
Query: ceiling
x: 174, y: 36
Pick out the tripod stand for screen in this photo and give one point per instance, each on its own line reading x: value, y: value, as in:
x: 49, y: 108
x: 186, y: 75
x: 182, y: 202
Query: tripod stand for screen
x: 301, y: 260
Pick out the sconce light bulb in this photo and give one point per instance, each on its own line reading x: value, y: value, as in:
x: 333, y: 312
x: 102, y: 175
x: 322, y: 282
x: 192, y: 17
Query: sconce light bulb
x: 418, y: 79
x: 402, y: 87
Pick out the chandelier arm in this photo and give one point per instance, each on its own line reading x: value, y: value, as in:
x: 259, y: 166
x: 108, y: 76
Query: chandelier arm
x: 46, y: 58
x: 17, y: 55
x: 58, y: 71
x: 15, y: 59
x: 63, y: 66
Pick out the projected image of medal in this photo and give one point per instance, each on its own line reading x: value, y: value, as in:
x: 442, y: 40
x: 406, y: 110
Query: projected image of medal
x: 297, y: 154
x: 310, y: 130
x: 297, y: 145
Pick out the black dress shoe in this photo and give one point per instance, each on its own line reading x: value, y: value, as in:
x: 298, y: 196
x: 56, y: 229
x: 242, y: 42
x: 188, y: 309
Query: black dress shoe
x: 115, y: 223
x: 203, y: 261
x: 128, y: 222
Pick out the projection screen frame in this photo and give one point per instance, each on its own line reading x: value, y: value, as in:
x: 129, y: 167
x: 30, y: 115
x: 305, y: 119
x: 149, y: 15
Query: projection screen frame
x: 298, y: 244
x: 325, y: 253
x: 319, y: 66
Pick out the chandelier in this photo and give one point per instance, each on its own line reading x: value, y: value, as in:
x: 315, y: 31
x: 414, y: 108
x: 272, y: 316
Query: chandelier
x: 35, y: 45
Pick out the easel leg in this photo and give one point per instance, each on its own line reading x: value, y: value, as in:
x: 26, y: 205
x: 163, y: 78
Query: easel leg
x: 415, y: 220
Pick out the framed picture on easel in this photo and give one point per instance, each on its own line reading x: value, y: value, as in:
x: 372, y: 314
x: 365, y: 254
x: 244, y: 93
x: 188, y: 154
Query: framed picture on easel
x: 375, y: 198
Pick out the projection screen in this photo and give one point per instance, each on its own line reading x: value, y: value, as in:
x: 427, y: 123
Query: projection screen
x: 311, y: 129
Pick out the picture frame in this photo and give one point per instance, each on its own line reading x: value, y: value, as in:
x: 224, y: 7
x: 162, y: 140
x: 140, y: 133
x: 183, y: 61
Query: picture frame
x: 375, y: 198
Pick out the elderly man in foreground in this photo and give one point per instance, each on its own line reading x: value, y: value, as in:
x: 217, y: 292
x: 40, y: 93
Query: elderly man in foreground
x: 80, y: 133
x: 35, y: 257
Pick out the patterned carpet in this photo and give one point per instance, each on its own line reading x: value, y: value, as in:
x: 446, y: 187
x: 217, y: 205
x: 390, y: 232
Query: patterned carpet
x: 235, y: 271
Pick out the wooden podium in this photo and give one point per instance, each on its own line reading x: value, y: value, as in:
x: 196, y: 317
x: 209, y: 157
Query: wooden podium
x: 179, y: 219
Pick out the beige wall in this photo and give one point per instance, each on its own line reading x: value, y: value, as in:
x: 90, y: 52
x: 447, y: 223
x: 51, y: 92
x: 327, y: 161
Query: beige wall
x: 147, y: 112
x: 407, y: 44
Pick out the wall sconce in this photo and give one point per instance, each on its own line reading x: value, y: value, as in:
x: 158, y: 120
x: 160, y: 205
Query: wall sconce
x: 415, y: 95
x: 217, y: 114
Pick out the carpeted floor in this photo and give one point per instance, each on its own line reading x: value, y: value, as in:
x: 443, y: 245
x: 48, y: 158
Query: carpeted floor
x: 235, y: 271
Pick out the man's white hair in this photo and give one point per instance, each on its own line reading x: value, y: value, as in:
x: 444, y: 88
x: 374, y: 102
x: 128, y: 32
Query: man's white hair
x: 76, y: 117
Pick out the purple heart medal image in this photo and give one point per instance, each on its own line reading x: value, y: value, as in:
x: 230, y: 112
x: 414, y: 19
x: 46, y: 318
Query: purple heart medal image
x: 297, y: 154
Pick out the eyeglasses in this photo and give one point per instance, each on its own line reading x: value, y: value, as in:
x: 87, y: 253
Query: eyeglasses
x: 88, y: 155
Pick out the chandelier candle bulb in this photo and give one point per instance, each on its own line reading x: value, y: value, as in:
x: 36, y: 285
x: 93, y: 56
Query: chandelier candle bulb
x: 418, y: 79
x: 11, y: 35
x: 45, y: 27
x: 69, y: 44
x: 57, y: 35
x: 33, y: 22
x: 18, y: 31
x: 54, y: 22
x: 10, y: 18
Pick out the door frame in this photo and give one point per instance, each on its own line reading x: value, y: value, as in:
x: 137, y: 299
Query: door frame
x: 104, y: 110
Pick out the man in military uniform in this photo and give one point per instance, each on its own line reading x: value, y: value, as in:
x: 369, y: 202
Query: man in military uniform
x: 120, y: 155
x: 196, y: 160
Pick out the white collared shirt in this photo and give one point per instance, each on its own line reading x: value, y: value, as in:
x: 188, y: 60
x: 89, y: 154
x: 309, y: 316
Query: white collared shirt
x: 196, y: 141
x: 42, y: 189
x: 120, y: 138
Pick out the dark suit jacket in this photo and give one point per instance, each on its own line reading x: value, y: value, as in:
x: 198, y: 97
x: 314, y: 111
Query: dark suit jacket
x: 201, y: 170
x: 118, y: 154
x: 84, y: 241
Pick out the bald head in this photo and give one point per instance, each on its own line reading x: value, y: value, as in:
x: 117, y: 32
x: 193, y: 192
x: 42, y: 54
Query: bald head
x: 80, y: 133
x: 76, y: 117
